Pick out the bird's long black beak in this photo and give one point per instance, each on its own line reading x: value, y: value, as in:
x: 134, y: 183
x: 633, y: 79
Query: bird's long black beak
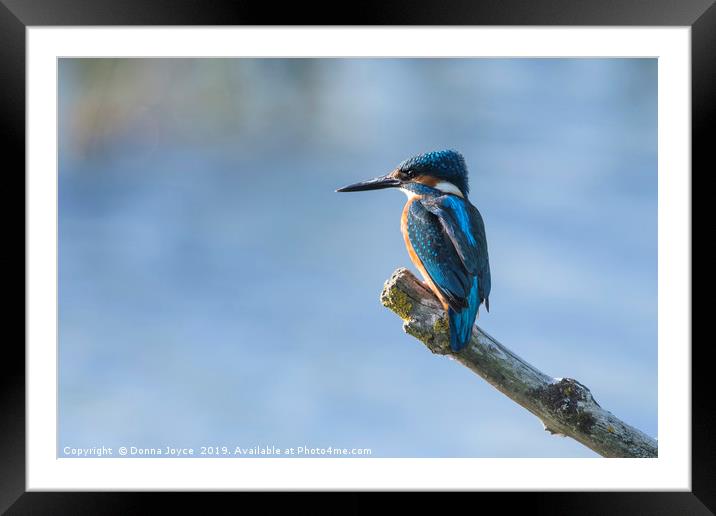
x: 372, y: 184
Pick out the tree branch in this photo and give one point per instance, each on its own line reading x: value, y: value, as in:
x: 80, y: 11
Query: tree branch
x: 564, y: 405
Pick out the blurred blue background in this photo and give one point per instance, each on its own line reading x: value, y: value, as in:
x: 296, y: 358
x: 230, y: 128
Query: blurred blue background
x: 215, y: 290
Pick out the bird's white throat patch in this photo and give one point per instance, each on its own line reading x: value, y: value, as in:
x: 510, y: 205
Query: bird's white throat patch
x: 408, y: 193
x: 448, y: 187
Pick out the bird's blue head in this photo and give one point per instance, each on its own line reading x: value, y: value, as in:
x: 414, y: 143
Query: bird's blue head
x: 443, y: 170
x: 433, y: 168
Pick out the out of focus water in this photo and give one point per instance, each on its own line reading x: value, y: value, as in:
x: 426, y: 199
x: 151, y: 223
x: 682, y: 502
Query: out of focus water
x: 215, y: 290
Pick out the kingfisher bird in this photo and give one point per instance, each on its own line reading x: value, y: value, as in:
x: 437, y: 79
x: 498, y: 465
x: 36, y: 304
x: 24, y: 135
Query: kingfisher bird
x: 444, y: 234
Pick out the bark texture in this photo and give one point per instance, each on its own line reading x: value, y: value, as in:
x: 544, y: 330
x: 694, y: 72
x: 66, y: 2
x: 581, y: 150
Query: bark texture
x: 564, y: 405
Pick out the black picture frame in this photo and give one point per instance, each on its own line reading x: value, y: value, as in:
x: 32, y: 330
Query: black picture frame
x: 16, y: 15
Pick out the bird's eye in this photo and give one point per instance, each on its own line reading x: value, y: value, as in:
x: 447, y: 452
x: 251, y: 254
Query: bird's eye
x: 410, y: 173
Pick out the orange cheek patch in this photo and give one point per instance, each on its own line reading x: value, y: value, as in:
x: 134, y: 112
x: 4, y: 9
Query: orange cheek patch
x: 428, y: 181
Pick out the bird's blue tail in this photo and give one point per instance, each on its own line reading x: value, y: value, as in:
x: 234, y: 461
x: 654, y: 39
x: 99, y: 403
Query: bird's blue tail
x: 461, y: 322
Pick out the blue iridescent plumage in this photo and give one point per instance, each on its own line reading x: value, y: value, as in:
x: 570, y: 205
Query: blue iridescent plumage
x: 444, y: 234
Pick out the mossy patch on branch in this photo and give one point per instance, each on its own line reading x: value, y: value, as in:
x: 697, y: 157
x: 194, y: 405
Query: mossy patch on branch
x: 441, y: 325
x: 397, y: 301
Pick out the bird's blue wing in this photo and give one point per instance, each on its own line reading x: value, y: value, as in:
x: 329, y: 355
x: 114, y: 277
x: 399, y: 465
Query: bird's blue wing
x: 462, y: 251
x: 463, y: 224
x: 441, y: 260
x: 438, y: 256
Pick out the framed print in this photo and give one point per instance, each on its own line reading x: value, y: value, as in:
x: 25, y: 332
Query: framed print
x: 218, y: 298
